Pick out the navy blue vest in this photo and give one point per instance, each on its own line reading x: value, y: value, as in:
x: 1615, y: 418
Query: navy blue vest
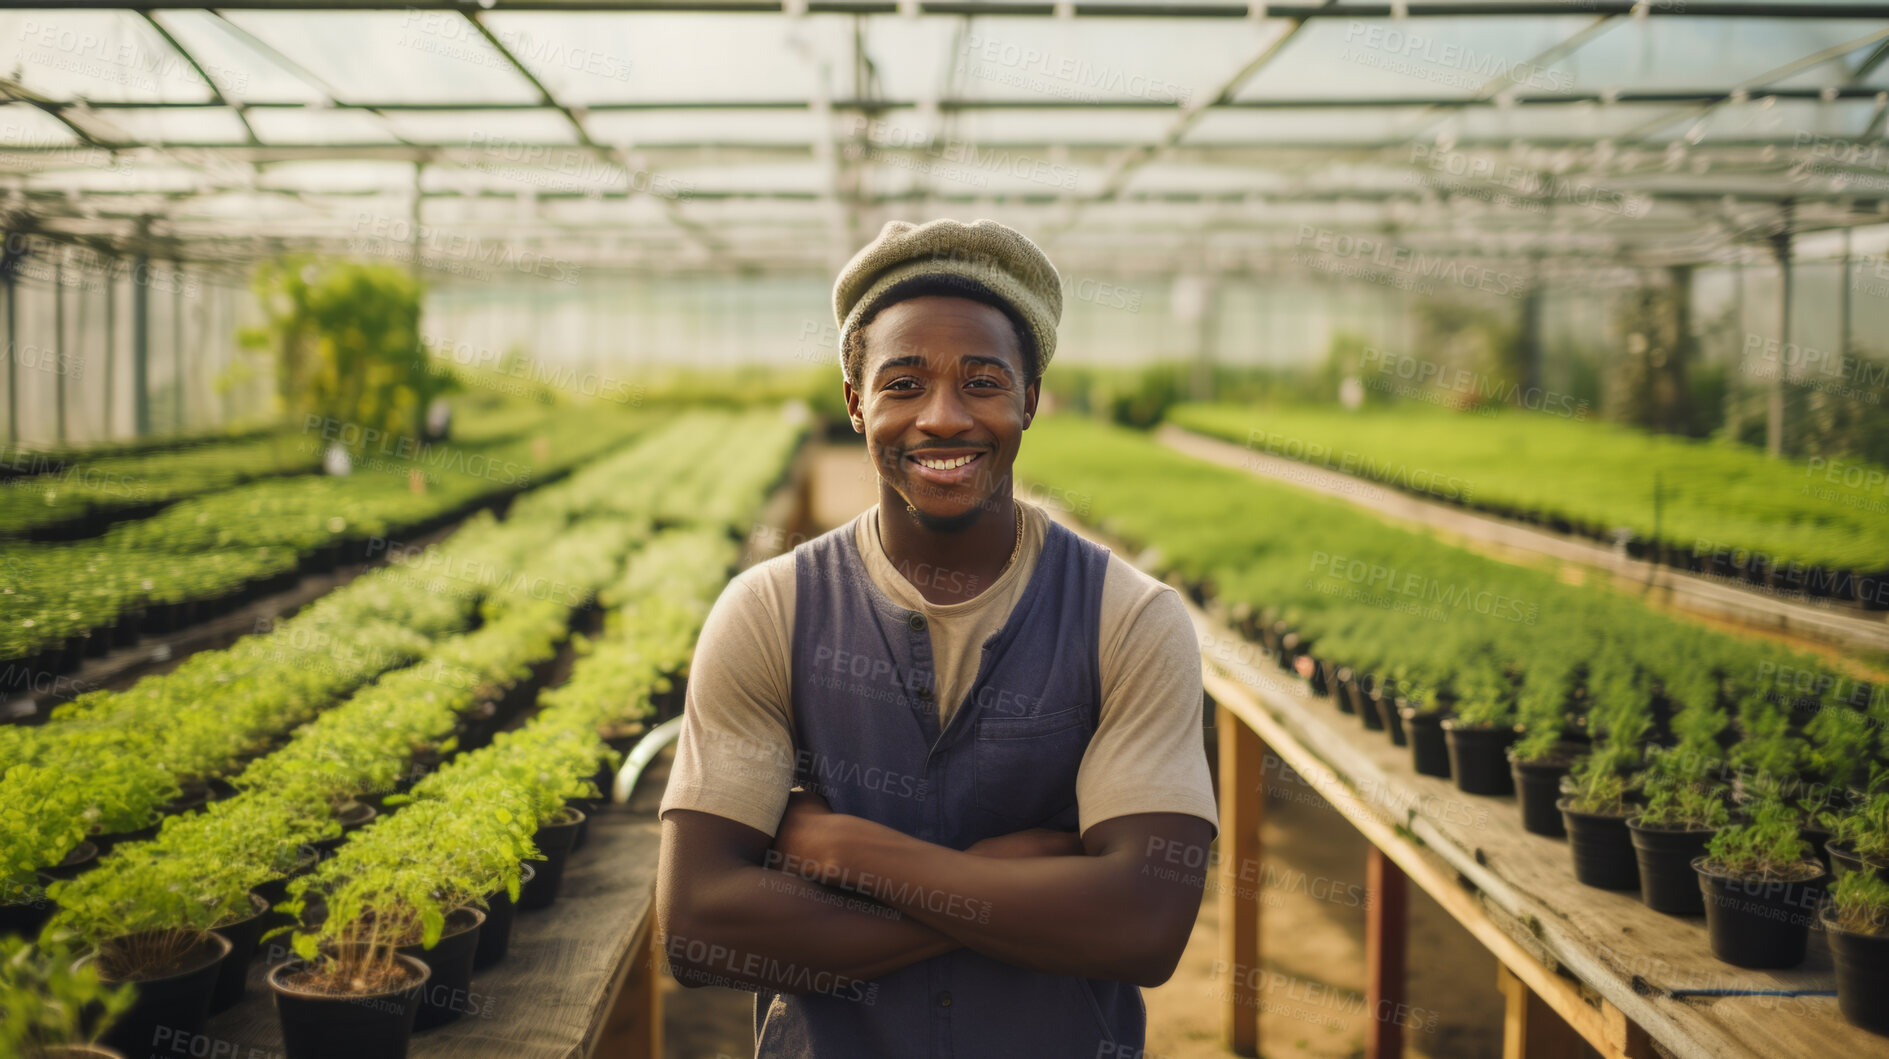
x: 869, y: 742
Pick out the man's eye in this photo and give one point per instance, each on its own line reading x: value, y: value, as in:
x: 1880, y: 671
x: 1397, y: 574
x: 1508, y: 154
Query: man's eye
x: 902, y: 384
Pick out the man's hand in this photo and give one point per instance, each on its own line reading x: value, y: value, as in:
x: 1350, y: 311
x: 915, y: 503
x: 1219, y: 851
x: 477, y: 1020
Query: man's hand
x: 1036, y: 842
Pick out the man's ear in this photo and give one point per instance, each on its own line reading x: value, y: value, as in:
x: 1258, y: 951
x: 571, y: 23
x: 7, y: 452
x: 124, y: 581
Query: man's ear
x: 1030, y: 394
x: 852, y: 409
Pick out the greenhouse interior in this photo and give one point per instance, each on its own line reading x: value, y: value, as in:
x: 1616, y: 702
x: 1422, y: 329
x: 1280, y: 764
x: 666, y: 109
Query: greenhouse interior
x: 1461, y: 513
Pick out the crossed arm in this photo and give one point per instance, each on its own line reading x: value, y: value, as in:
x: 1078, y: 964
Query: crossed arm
x: 834, y: 897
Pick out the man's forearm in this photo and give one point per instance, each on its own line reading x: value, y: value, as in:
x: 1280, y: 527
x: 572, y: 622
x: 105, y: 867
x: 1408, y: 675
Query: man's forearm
x: 1096, y: 916
x: 756, y: 928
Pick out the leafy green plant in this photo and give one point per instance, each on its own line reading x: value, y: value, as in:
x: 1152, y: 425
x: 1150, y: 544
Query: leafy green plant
x: 1675, y: 803
x: 1598, y: 785
x: 1859, y: 904
x: 46, y: 1001
x: 1770, y: 847
x: 1866, y: 828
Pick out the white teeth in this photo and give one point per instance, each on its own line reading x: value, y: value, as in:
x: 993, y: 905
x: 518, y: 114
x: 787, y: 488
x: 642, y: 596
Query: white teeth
x: 944, y: 465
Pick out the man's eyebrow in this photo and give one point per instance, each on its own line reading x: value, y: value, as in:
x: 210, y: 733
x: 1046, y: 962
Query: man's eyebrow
x: 915, y: 359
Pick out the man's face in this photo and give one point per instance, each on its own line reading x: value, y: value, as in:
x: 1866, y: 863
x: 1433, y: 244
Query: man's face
x: 943, y: 405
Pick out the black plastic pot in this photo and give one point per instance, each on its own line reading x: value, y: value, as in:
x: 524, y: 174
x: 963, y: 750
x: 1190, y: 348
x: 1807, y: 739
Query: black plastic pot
x: 448, y: 993
x: 25, y: 912
x: 83, y: 856
x: 106, y: 843
x: 1667, y: 882
x: 1602, y: 849
x: 243, y: 934
x: 357, y: 1025
x: 1429, y: 750
x: 1844, y: 860
x: 587, y: 806
x: 1479, y: 757
x: 1343, y: 694
x: 495, y: 937
x: 1862, y: 964
x: 1819, y: 840
x: 1758, y: 923
x: 554, y: 841
x: 175, y: 1004
x: 1537, y: 789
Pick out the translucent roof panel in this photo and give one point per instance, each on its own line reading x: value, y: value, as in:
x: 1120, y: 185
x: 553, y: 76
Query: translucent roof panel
x: 196, y: 125
x: 391, y: 56
x: 1690, y: 53
x: 1261, y: 127
x: 356, y: 176
x: 1424, y: 58
x: 632, y: 127
x: 657, y: 57
x: 1063, y: 126
x: 98, y: 55
x: 1101, y: 61
x: 25, y: 125
x: 241, y: 68
x: 311, y: 125
x: 495, y: 132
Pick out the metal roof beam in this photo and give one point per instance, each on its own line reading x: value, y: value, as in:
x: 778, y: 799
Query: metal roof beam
x: 1001, y: 8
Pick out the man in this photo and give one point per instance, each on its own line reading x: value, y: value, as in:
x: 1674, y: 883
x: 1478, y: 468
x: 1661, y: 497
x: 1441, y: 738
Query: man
x: 1006, y: 804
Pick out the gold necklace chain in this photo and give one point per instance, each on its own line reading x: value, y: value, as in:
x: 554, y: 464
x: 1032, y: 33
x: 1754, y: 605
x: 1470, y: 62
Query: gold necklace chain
x: 1016, y: 548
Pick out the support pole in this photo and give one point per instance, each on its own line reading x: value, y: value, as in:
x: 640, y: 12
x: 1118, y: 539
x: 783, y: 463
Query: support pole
x: 179, y: 413
x: 1386, y: 936
x: 111, y: 345
x: 59, y: 348
x: 13, y: 361
x: 1774, y: 419
x: 1242, y: 814
x: 141, y: 346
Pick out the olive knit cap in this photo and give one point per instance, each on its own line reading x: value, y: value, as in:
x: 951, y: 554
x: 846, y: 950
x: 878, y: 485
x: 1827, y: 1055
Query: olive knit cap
x: 995, y: 255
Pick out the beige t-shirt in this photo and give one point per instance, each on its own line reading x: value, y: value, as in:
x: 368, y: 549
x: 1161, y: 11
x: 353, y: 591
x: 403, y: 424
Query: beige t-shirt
x: 736, y: 754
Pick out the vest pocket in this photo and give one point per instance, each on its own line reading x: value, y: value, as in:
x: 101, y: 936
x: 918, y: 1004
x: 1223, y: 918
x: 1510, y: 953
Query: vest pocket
x: 1025, y: 767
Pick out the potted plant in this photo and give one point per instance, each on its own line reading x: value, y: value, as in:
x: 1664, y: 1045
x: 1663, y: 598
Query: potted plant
x: 54, y: 1006
x: 1421, y: 720
x: 1860, y: 839
x: 1857, y: 921
x: 348, y: 992
x: 42, y: 821
x: 1761, y: 887
x: 1595, y: 815
x: 151, y: 926
x: 1682, y: 813
x: 1478, y: 737
x: 1538, y: 761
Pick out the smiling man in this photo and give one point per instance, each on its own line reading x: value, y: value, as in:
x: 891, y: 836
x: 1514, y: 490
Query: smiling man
x: 994, y: 724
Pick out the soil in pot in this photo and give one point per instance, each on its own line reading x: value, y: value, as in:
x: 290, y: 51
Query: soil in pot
x: 1667, y: 882
x: 1602, y: 848
x: 448, y: 992
x: 1429, y: 749
x: 372, y: 1024
x: 83, y: 856
x: 495, y: 937
x: 1479, y: 757
x: 1862, y: 965
x: 175, y: 976
x: 1537, y: 789
x: 243, y: 934
x: 1760, y: 923
x: 554, y: 841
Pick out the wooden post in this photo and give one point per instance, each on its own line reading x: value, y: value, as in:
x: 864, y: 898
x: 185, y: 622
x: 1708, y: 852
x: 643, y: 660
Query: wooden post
x: 1242, y: 813
x: 1385, y: 935
x: 1530, y: 1028
x: 633, y: 1029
